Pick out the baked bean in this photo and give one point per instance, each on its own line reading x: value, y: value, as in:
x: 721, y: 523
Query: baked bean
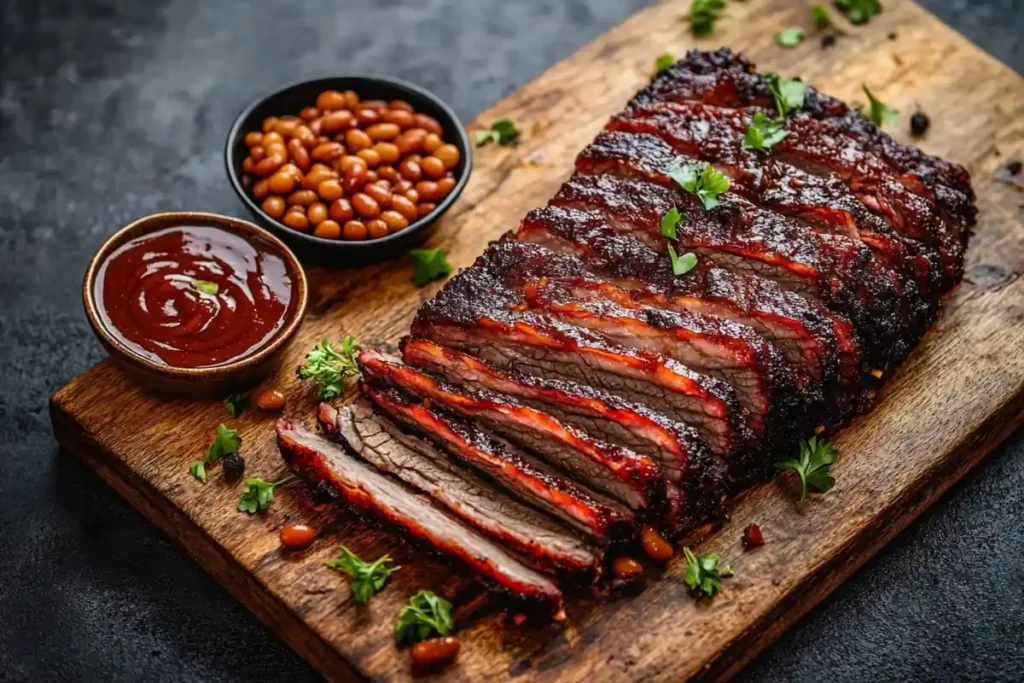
x: 261, y: 189
x: 402, y: 186
x: 277, y: 149
x: 388, y: 152
x: 383, y: 131
x: 321, y: 139
x: 369, y: 156
x: 424, y: 209
x: 330, y: 189
x: 371, y: 176
x: 269, y: 123
x: 376, y: 228
x: 316, y: 212
x: 301, y: 198
x: 435, y: 651
x: 269, y: 165
x: 415, y: 157
x: 296, y: 220
x: 348, y: 161
x: 401, y: 105
x: 413, y: 196
x: 351, y: 99
x: 366, y: 116
x: 354, y: 230
x: 379, y: 106
x: 355, y: 177
x: 328, y: 229
x: 296, y: 536
x: 404, y: 207
x: 365, y: 205
x: 379, y: 194
x: 428, y: 191
x: 254, y: 138
x: 448, y: 154
x: 356, y: 140
x: 257, y: 154
x: 305, y: 136
x: 654, y: 545
x: 626, y: 568
x: 317, y: 126
x: 330, y: 100
x: 309, y: 113
x: 432, y: 142
x: 428, y: 123
x: 410, y: 170
x: 388, y: 173
x: 286, y: 127
x: 444, y: 186
x: 299, y: 155
x: 394, y: 220
x: 411, y: 141
x: 336, y: 121
x: 317, y: 174
x: 433, y: 168
x: 327, y: 151
x: 341, y: 210
x: 247, y: 165
x: 282, y: 182
x: 273, y: 206
x: 401, y: 118
x: 271, y: 137
x: 271, y: 400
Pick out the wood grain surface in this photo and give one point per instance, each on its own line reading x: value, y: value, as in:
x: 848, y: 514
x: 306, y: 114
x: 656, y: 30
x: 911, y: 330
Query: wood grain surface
x: 959, y: 394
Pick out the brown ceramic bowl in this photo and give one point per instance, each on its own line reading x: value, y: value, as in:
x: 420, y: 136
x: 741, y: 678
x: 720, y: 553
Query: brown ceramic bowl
x: 213, y: 381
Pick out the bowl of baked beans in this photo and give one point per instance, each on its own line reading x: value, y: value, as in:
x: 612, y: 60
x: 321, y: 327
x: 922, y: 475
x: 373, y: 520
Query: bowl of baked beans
x: 348, y: 168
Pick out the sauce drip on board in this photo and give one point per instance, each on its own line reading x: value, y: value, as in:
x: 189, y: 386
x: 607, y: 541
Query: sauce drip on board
x: 150, y: 298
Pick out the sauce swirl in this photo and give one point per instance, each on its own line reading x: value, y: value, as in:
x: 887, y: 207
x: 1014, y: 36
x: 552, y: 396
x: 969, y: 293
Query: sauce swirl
x: 154, y: 295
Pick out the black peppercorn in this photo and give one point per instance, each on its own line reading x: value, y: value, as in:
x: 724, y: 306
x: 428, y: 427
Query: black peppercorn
x: 234, y: 466
x: 828, y: 41
x: 919, y: 123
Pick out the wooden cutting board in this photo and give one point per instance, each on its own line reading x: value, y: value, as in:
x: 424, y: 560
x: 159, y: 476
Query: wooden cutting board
x: 959, y: 394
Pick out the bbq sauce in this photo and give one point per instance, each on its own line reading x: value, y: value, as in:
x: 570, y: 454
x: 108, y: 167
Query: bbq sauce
x: 193, y: 297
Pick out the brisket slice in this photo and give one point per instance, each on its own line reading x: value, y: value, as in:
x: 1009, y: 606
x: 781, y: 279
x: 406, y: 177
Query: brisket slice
x: 476, y: 501
x: 632, y: 478
x: 723, y: 79
x: 476, y: 314
x: 525, y: 477
x: 685, y: 460
x: 812, y: 176
x: 325, y: 464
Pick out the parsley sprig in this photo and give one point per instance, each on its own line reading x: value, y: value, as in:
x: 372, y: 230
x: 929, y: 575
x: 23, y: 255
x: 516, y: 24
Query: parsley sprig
x: 328, y: 369
x: 706, y: 183
x: 859, y: 11
x: 764, y: 133
x: 259, y: 494
x: 879, y: 113
x: 703, y: 574
x: 702, y: 16
x: 428, y: 265
x: 426, y: 614
x: 788, y: 93
x: 367, y: 577
x: 236, y: 404
x: 226, y: 440
x: 664, y: 61
x: 503, y: 132
x: 816, y: 457
x: 206, y: 287
x: 790, y: 37
x: 680, y: 264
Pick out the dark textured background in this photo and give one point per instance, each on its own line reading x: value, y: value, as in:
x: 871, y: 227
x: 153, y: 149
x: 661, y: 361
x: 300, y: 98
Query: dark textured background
x: 112, y: 109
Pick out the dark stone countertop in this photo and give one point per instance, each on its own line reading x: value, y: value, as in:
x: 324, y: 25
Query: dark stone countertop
x: 112, y: 109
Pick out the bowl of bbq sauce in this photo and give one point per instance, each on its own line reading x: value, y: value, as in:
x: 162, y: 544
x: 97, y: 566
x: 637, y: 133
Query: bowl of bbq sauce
x: 194, y: 303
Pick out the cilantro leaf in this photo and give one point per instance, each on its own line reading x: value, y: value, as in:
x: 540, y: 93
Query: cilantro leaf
x: 763, y: 133
x: 703, y: 574
x: 703, y: 14
x: 686, y: 176
x: 258, y: 494
x: 880, y: 113
x: 669, y: 222
x: 426, y: 614
x: 503, y: 131
x: 225, y: 441
x: 681, y: 264
x: 816, y: 457
x: 428, y: 264
x: 707, y: 184
x: 664, y: 61
x: 198, y: 470
x: 328, y: 368
x: 859, y: 11
x: 367, y: 577
x: 236, y: 404
x: 788, y: 93
x: 206, y: 287
x: 823, y: 20
x: 790, y: 37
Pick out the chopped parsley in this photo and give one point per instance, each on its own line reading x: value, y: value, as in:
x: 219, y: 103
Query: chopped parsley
x: 236, y: 404
x: 703, y: 574
x: 859, y: 11
x: 788, y: 93
x: 790, y: 37
x: 328, y: 369
x: 707, y: 184
x: 823, y: 20
x: 763, y: 133
x: 258, y: 494
x: 879, y: 113
x: 681, y: 264
x: 664, y: 61
x: 367, y: 577
x: 669, y: 222
x: 428, y: 265
x: 225, y: 441
x: 503, y: 132
x: 425, y: 615
x: 703, y: 14
x: 206, y: 287
x: 816, y: 457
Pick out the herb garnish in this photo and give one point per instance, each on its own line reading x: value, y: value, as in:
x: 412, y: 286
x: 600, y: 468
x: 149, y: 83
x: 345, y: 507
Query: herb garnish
x: 703, y: 14
x: 790, y: 37
x: 707, y: 184
x: 788, y: 93
x: 236, y: 404
x: 763, y: 133
x: 225, y: 441
x: 428, y: 264
x: 258, y: 494
x: 503, y: 131
x: 367, y: 577
x: 879, y: 112
x: 859, y: 11
x: 664, y: 61
x: 328, y: 368
x: 816, y: 457
x: 703, y: 574
x: 823, y: 20
x: 681, y: 264
x: 206, y: 287
x: 669, y: 222
x: 426, y: 614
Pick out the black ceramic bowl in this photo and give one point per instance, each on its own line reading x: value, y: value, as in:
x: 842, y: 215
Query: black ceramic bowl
x: 292, y: 98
